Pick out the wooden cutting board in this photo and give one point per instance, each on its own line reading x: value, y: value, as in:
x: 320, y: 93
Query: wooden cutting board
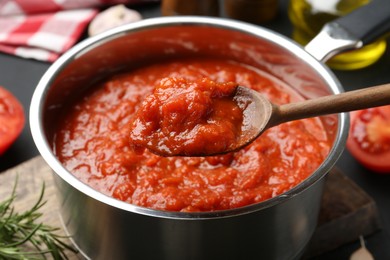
x: 345, y: 207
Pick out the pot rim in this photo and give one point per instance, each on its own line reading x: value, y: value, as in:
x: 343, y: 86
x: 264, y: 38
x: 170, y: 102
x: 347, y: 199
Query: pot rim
x: 36, y: 113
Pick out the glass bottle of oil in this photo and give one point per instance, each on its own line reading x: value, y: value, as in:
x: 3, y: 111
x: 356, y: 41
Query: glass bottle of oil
x: 308, y: 17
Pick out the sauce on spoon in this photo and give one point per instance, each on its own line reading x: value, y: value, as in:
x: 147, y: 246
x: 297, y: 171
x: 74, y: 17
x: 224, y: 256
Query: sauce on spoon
x: 188, y: 118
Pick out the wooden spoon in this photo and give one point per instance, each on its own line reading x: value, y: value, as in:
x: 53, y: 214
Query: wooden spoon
x: 260, y: 114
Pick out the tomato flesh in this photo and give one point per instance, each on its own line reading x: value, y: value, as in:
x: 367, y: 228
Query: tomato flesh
x: 11, y: 119
x: 188, y: 117
x: 369, y: 138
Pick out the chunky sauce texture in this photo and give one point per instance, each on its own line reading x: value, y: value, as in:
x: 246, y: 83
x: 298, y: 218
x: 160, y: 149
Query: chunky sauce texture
x: 188, y: 117
x: 92, y: 141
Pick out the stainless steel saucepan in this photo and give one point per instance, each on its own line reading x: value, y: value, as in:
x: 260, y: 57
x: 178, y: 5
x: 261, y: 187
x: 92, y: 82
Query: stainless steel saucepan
x: 105, y: 228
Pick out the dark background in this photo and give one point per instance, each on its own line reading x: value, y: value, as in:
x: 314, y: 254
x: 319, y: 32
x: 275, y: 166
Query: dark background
x: 21, y: 76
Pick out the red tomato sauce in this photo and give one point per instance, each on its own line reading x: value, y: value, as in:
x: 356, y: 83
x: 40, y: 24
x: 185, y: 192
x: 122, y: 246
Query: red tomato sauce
x: 92, y: 142
x: 184, y: 117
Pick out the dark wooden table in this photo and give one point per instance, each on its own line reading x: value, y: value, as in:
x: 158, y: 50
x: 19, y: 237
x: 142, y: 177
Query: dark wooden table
x: 21, y: 76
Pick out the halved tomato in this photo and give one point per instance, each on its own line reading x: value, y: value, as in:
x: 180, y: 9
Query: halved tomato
x: 12, y: 119
x: 369, y: 138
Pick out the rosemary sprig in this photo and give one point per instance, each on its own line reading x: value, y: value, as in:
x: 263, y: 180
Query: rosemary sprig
x: 22, y: 236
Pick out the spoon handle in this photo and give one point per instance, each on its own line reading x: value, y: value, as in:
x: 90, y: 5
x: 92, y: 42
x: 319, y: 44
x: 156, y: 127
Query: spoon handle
x: 344, y: 102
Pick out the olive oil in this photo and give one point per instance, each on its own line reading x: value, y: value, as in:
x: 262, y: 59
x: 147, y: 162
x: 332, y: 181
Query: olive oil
x: 308, y: 18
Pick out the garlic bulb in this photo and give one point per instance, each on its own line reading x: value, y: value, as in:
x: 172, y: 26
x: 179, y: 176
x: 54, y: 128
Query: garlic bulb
x: 362, y: 253
x: 112, y: 17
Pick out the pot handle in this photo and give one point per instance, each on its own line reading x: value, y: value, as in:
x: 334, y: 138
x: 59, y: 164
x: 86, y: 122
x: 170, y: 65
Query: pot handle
x: 352, y: 31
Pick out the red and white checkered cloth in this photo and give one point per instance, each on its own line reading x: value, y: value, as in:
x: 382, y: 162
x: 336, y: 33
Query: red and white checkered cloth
x: 45, y: 29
